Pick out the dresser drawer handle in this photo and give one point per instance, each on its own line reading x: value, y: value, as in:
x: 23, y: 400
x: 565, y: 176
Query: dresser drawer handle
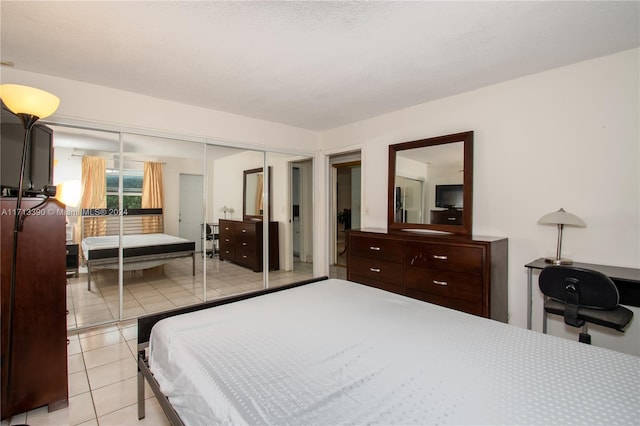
x: 226, y: 239
x: 374, y: 269
x: 435, y: 256
x: 244, y: 256
x: 440, y: 282
x: 452, y: 219
x: 244, y: 230
x: 374, y: 248
x: 244, y: 244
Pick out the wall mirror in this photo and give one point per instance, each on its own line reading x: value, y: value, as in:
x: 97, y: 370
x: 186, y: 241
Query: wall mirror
x: 252, y: 202
x: 431, y: 184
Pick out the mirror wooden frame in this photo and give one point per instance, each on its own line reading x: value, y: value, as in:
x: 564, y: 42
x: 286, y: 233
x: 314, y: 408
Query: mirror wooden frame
x: 246, y: 173
x: 466, y: 227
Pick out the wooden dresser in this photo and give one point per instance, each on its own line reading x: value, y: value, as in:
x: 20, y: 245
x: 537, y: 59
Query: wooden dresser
x: 39, y: 360
x: 466, y: 274
x: 241, y: 243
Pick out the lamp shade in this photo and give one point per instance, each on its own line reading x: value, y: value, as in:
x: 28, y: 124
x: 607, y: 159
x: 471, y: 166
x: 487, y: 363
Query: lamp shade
x: 69, y: 193
x: 561, y: 217
x: 28, y: 100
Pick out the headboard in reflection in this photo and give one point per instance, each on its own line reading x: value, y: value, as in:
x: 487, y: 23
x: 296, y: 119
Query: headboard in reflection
x: 431, y: 184
x: 252, y: 201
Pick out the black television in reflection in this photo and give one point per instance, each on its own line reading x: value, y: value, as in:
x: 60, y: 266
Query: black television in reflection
x: 449, y: 196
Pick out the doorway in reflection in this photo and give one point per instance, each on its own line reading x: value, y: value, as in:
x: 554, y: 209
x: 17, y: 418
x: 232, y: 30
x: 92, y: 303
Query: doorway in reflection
x: 346, y: 189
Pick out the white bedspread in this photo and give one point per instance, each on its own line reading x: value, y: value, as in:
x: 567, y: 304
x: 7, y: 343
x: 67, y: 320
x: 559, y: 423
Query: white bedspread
x: 336, y: 352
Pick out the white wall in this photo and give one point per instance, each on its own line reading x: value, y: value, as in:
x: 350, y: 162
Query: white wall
x: 98, y: 104
x: 227, y: 182
x: 567, y: 138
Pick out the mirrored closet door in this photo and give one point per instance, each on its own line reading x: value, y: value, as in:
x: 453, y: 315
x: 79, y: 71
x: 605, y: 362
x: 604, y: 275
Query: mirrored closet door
x: 290, y: 218
x: 162, y: 222
x: 82, y: 158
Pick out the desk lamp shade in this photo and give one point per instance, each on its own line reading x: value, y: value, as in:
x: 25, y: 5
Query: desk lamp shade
x: 226, y: 210
x: 28, y: 100
x: 560, y: 218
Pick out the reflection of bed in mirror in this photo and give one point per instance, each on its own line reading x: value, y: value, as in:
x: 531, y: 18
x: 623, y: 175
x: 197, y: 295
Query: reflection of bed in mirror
x: 144, y: 245
x: 337, y: 352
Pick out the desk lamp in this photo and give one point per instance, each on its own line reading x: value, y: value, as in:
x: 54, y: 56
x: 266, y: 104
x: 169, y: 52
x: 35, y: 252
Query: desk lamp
x: 30, y: 105
x: 226, y: 210
x: 560, y: 218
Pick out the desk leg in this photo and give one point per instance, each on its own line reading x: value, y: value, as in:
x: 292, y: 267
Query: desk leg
x: 529, y: 296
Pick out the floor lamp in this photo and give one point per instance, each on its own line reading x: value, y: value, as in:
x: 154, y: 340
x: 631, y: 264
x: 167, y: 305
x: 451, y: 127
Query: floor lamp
x: 30, y: 105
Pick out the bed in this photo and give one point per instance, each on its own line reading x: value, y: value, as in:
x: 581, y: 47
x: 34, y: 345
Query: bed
x: 337, y: 352
x: 144, y: 245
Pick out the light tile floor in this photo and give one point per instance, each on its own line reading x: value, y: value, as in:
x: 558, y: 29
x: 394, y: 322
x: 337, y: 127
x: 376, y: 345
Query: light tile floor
x: 102, y: 360
x: 168, y: 286
x: 102, y: 382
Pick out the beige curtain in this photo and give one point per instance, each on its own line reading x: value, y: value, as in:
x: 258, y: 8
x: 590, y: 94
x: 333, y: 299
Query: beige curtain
x: 259, y: 202
x: 94, y: 194
x: 152, y: 196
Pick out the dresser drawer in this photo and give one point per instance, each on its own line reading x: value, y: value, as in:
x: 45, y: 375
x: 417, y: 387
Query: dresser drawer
x: 397, y: 288
x: 474, y: 308
x: 376, y: 248
x: 247, y: 231
x: 226, y: 241
x: 245, y: 243
x: 378, y: 270
x: 247, y: 256
x: 226, y: 231
x: 445, y: 283
x: 227, y: 252
x: 447, y: 257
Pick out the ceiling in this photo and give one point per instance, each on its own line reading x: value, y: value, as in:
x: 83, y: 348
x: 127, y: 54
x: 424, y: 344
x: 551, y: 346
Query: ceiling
x: 314, y: 65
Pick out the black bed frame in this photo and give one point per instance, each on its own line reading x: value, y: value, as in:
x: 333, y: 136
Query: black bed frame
x: 132, y: 224
x: 146, y: 323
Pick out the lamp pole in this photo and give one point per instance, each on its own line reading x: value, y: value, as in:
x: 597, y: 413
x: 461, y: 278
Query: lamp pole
x: 559, y: 250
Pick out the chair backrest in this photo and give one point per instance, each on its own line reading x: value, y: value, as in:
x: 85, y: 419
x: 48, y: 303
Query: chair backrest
x: 578, y: 286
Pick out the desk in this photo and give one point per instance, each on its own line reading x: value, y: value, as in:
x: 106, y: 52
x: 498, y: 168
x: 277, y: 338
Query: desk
x: 627, y: 280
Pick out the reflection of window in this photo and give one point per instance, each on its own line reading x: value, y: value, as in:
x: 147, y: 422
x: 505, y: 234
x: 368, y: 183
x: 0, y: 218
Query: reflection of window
x: 131, y: 188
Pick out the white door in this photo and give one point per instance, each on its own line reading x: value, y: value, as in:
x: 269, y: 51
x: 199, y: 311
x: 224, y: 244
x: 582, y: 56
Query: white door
x: 191, y: 208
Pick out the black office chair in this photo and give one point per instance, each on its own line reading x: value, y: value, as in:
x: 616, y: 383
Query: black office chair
x: 213, y: 237
x: 582, y: 296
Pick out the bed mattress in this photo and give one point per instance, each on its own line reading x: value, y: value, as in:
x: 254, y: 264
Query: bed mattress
x: 104, y: 247
x: 336, y: 352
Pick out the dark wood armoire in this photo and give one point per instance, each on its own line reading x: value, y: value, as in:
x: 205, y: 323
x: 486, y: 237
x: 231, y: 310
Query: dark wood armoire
x: 39, y: 350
